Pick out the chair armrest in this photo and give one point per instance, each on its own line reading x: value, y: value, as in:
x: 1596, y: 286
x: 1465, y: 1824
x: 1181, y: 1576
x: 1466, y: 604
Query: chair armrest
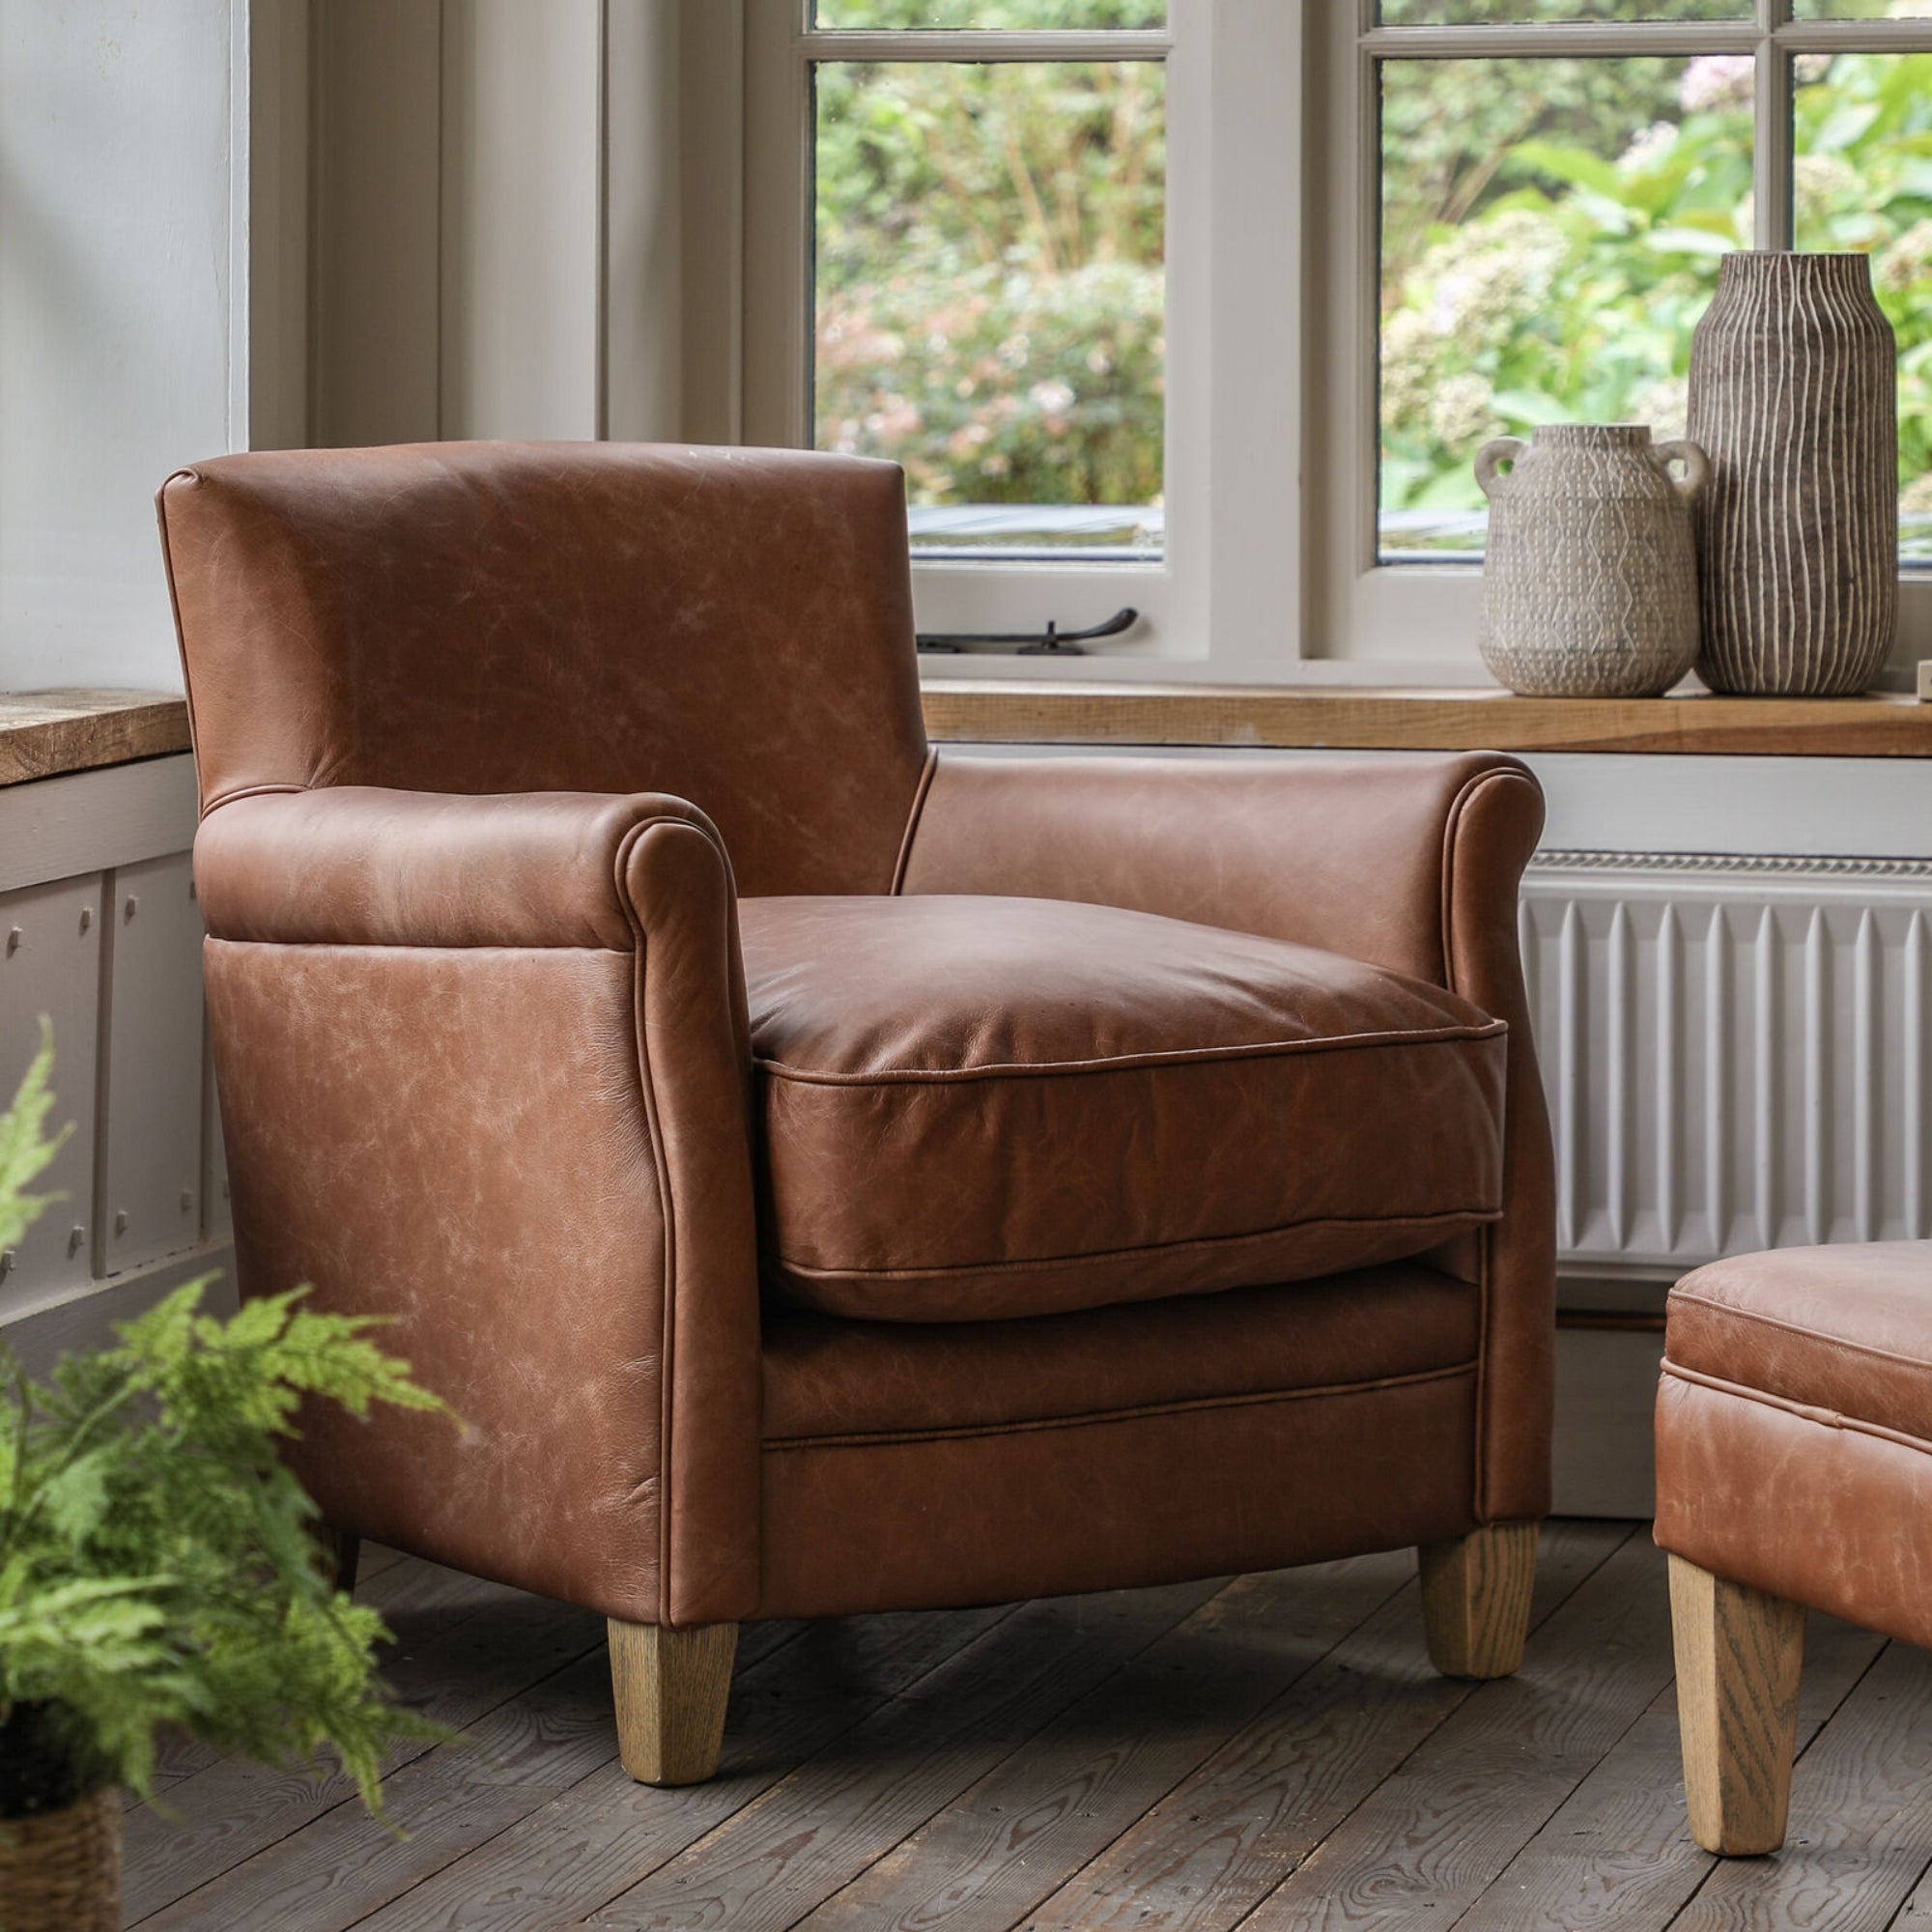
x: 1412, y: 862
x: 1348, y: 854
x: 362, y: 866
x: 484, y: 1070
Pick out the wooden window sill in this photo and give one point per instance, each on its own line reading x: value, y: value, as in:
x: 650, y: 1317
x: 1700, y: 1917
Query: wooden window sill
x: 971, y: 711
x: 45, y: 733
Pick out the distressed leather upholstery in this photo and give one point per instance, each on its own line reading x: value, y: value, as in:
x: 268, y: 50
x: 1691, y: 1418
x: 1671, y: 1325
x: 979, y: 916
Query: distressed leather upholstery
x: 977, y: 1107
x: 1794, y: 1429
x: 565, y: 804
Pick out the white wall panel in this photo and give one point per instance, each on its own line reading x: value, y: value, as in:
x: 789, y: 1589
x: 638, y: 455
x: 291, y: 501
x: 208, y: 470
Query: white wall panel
x: 124, y: 998
x: 151, y: 1172
x: 50, y: 968
x: 522, y: 218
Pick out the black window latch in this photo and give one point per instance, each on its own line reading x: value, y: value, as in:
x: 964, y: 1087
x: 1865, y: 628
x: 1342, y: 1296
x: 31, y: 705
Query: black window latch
x: 1051, y: 642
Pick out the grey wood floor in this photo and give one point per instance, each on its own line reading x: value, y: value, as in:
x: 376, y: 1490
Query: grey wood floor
x: 1269, y: 1753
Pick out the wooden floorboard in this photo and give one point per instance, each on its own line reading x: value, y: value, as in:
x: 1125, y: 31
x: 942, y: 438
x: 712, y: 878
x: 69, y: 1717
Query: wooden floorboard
x: 1209, y: 1851
x: 584, y: 1848
x: 1268, y: 1752
x: 1618, y: 1851
x: 886, y: 1776
x: 1861, y: 1833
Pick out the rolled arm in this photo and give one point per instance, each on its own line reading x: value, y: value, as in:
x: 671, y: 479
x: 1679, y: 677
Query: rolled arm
x: 363, y: 866
x: 1411, y: 862
x: 484, y: 1070
x: 1346, y: 854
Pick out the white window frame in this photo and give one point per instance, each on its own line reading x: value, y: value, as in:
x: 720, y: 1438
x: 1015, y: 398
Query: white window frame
x: 1223, y: 602
x: 1381, y: 617
x: 1272, y: 293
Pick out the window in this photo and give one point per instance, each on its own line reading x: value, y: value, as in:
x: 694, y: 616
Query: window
x: 989, y: 292
x: 1204, y: 306
x: 1541, y: 192
x: 980, y: 239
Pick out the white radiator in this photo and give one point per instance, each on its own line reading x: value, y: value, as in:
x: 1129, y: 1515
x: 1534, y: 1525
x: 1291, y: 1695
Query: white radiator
x: 1737, y: 1052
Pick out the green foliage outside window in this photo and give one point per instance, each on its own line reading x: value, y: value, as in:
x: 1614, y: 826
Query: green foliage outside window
x: 1552, y: 239
x: 991, y: 292
x: 156, y: 1561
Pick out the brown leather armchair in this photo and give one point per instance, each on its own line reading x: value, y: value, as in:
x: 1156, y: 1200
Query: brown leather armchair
x: 826, y: 1175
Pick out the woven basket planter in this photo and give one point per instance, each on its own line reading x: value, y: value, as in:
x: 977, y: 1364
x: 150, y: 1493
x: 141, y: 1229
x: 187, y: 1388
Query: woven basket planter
x: 60, y: 1871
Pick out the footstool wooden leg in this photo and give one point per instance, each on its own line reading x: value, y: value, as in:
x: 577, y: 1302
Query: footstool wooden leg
x: 1739, y: 1654
x: 670, y: 1687
x: 1475, y: 1599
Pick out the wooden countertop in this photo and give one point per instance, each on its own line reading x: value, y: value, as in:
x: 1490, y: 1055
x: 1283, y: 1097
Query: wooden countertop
x: 1879, y: 726
x: 44, y: 733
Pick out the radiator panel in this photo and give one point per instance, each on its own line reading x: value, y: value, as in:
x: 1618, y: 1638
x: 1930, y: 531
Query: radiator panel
x: 1737, y: 1052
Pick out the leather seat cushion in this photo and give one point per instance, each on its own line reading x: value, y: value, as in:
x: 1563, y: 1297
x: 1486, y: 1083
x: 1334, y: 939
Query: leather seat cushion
x: 977, y: 1107
x: 1846, y: 1329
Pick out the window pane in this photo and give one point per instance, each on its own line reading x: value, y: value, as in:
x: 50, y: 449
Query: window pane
x: 990, y: 296
x: 1863, y: 10
x: 1550, y: 235
x: 1862, y: 180
x: 1501, y: 13
x: 1014, y: 15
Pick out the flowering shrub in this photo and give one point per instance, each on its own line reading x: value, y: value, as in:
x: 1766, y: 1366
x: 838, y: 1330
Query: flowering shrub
x: 1004, y: 385
x: 990, y: 294
x: 1558, y: 275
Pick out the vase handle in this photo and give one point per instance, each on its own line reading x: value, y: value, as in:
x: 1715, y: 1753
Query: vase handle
x: 1504, y: 449
x: 1696, y: 465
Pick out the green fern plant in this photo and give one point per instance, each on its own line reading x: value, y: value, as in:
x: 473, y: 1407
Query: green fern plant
x: 156, y: 1566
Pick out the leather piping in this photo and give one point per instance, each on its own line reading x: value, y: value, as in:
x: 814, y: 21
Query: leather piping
x: 660, y: 1163
x: 1731, y: 1311
x: 1804, y: 1412
x: 913, y: 816
x: 971, y: 1432
x: 266, y: 789
x: 1267, y: 1049
x: 174, y: 610
x: 1429, y: 1227
x: 1451, y: 831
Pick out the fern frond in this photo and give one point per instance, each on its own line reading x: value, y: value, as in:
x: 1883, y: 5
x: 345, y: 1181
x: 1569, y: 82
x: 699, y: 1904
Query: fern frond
x: 25, y: 1151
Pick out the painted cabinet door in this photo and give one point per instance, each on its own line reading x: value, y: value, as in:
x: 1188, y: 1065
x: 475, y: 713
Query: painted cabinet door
x: 50, y: 969
x: 151, y: 1172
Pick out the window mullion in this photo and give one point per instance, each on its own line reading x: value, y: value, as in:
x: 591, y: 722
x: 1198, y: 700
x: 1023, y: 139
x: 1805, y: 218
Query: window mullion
x: 1772, y: 136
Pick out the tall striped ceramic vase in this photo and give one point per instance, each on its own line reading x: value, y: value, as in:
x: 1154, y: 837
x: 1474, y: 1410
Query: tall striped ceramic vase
x: 1793, y: 398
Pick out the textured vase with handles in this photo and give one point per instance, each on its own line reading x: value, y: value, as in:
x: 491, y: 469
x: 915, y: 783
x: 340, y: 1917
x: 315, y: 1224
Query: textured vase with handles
x: 1793, y: 394
x: 1590, y: 579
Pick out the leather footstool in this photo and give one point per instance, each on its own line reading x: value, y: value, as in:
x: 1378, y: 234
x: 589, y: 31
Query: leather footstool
x: 1794, y: 1471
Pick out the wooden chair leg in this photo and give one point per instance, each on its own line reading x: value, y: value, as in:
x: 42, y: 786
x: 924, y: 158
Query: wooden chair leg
x: 670, y: 1687
x: 340, y: 1553
x: 1739, y: 1656
x: 1475, y: 1599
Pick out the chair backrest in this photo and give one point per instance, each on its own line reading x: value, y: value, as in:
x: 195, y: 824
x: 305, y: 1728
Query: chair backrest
x: 731, y: 626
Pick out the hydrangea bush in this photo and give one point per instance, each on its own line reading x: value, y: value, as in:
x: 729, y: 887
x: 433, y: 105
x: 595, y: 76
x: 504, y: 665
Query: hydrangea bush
x: 990, y: 291
x: 990, y: 294
x: 1557, y: 275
